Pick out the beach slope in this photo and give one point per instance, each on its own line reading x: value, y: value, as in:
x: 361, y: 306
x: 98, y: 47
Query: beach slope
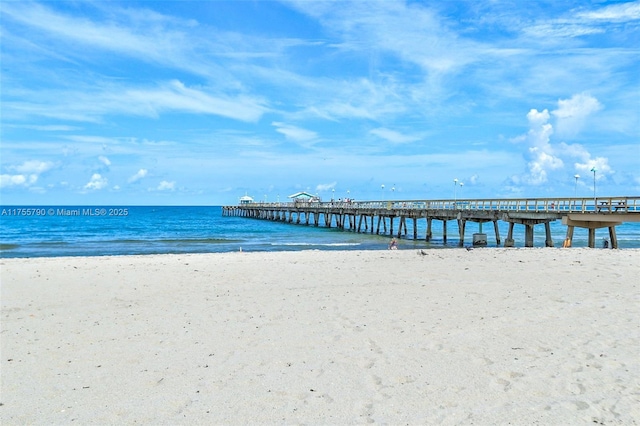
x: 486, y: 336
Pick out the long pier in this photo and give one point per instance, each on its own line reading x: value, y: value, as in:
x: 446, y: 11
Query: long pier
x: 371, y: 216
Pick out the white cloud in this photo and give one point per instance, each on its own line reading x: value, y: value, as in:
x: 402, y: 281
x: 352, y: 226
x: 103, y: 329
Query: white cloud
x: 624, y: 12
x: 104, y: 160
x: 294, y: 133
x: 7, y: 180
x: 27, y: 173
x: 326, y: 186
x: 175, y: 96
x: 33, y: 166
x: 574, y: 150
x: 600, y: 164
x: 97, y: 182
x: 540, y: 164
x: 140, y: 34
x: 46, y: 128
x: 166, y: 186
x: 560, y: 29
x: 91, y: 103
x: 11, y: 180
x: 585, y: 22
x: 540, y: 154
x: 393, y: 136
x: 543, y: 157
x: 139, y: 175
x: 537, y: 119
x: 572, y: 113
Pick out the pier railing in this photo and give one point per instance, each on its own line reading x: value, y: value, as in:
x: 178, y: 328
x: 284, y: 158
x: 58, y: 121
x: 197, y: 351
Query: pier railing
x: 552, y: 205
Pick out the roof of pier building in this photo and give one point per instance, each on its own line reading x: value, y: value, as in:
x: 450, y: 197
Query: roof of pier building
x: 301, y: 196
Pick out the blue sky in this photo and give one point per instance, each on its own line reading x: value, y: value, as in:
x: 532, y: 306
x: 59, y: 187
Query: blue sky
x: 180, y: 102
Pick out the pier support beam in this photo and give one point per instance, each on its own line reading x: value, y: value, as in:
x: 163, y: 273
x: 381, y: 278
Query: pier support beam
x: 444, y: 231
x: 592, y: 238
x: 594, y: 222
x: 528, y: 235
x: 528, y: 223
x: 548, y: 240
x: 402, y: 226
x: 613, y: 237
x: 509, y: 241
x: 461, y: 225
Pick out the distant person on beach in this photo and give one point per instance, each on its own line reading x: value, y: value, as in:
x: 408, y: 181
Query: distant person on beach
x: 393, y: 245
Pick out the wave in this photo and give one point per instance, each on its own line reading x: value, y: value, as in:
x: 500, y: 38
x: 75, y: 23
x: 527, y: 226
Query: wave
x: 48, y: 243
x: 317, y: 244
x: 174, y: 241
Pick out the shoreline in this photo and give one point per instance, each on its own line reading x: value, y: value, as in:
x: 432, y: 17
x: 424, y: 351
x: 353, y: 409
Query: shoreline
x: 518, y: 335
x: 404, y: 245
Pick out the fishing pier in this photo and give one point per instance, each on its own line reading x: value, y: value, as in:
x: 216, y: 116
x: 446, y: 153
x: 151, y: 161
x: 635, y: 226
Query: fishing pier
x: 391, y: 217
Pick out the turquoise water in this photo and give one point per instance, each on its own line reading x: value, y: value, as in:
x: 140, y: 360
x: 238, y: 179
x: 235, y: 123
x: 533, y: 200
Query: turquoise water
x: 90, y: 231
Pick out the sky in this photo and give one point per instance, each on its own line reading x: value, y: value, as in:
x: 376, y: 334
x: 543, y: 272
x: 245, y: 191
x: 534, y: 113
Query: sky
x: 202, y: 102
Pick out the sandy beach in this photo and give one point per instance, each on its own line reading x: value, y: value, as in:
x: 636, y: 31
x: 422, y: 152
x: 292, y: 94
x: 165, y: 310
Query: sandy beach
x: 487, y: 336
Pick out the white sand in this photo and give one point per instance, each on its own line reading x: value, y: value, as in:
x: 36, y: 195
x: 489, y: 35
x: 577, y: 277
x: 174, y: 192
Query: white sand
x: 488, y: 336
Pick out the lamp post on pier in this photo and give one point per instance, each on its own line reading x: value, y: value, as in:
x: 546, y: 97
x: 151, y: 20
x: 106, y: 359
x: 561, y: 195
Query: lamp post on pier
x: 382, y: 189
x: 455, y: 192
x: 575, y: 190
x: 594, y: 170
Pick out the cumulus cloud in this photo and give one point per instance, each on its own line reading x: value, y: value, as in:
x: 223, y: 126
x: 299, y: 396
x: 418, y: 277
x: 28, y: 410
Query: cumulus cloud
x: 540, y: 154
x: 7, y: 180
x: 26, y: 174
x: 97, y: 182
x: 166, y: 186
x: 584, y: 161
x: 543, y: 157
x: 139, y: 175
x: 572, y: 114
x: 33, y: 167
x: 600, y: 164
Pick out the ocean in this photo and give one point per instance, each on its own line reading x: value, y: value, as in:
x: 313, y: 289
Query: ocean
x: 52, y: 231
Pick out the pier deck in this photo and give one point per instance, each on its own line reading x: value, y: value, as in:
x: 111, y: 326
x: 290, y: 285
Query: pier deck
x: 379, y: 217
